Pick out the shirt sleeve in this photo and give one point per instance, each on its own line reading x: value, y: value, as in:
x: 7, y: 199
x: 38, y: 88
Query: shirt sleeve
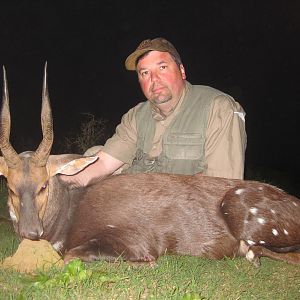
x: 225, y: 139
x: 122, y: 145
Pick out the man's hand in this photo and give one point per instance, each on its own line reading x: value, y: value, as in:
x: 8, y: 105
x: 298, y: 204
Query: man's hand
x: 103, y: 167
x: 75, y: 181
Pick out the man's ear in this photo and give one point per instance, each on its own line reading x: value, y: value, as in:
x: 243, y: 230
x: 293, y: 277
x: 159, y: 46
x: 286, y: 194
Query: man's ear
x: 182, y: 70
x: 67, y: 164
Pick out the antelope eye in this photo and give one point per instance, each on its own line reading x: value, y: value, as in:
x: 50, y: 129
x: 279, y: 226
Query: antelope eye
x: 44, y: 185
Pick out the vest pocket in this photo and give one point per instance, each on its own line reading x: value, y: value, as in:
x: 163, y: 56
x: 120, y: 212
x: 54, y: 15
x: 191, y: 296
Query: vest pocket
x: 184, y: 146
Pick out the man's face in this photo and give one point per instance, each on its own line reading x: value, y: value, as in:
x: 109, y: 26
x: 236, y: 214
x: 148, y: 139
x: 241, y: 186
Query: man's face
x: 160, y: 78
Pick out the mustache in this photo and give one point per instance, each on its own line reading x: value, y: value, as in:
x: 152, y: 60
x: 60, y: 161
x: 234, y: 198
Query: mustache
x: 155, y: 86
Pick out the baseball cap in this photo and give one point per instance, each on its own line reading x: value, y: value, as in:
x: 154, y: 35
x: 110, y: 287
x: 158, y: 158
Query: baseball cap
x: 157, y: 44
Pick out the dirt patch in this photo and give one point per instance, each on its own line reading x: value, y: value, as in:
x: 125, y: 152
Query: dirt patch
x: 33, y: 255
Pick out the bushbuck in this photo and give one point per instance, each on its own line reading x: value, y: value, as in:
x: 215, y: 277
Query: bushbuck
x: 140, y: 217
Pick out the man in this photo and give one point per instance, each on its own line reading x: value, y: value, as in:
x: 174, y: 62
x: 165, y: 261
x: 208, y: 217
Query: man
x: 182, y: 128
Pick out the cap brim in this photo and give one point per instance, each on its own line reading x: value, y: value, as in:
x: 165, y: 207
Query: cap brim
x: 130, y: 62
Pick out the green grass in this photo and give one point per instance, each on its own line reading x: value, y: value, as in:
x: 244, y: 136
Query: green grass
x: 174, y: 277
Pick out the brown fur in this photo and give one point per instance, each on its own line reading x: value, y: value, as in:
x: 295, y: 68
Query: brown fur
x: 141, y: 217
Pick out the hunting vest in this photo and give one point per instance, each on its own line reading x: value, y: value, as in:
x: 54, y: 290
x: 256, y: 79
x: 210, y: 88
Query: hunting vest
x: 184, y: 139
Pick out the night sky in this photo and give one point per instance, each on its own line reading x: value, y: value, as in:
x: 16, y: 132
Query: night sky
x: 248, y: 49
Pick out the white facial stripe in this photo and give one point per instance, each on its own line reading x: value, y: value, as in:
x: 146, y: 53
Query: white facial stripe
x: 12, y: 216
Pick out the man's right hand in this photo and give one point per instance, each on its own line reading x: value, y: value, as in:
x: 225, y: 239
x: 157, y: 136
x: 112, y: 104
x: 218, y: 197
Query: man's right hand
x: 103, y: 167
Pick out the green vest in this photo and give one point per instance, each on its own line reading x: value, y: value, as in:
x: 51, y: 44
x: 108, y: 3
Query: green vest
x: 183, y: 141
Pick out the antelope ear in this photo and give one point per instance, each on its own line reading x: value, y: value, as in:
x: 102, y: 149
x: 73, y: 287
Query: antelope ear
x: 68, y: 164
x: 3, y: 167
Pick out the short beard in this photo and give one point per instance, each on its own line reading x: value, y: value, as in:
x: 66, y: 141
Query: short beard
x: 157, y: 100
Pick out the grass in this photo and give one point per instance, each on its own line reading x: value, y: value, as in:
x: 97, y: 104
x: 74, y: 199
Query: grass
x: 174, y: 277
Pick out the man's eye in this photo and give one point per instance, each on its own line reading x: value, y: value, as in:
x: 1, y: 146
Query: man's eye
x: 163, y: 67
x: 144, y: 73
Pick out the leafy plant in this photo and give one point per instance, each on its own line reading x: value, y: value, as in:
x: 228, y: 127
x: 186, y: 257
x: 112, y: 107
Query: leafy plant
x: 74, y: 273
x: 92, y: 132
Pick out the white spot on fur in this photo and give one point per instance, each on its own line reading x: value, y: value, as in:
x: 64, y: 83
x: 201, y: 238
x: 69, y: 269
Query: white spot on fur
x: 250, y: 242
x: 58, y: 245
x: 246, y: 221
x: 12, y: 216
x: 253, y: 210
x: 285, y: 232
x: 261, y: 221
x: 239, y: 191
x: 250, y: 255
x: 260, y: 188
x: 225, y: 213
x: 295, y: 203
x: 111, y: 226
x: 222, y: 204
x: 262, y: 242
x: 273, y: 211
x: 274, y: 231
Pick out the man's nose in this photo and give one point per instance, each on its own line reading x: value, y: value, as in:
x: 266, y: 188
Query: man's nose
x: 154, y: 76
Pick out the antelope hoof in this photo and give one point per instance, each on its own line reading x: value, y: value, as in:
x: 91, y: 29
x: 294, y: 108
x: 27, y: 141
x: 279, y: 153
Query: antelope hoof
x: 250, y: 256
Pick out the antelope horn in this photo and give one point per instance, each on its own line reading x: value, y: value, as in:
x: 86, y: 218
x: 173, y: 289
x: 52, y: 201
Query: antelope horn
x: 10, y: 155
x: 42, y: 153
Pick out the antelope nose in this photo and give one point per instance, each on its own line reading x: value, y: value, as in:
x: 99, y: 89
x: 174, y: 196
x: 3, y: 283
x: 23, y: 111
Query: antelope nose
x: 34, y: 235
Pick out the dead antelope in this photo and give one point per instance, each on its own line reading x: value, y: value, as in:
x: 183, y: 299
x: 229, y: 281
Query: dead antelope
x: 140, y: 217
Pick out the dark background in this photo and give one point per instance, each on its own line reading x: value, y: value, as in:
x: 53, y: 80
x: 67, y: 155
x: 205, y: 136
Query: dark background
x: 249, y: 49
